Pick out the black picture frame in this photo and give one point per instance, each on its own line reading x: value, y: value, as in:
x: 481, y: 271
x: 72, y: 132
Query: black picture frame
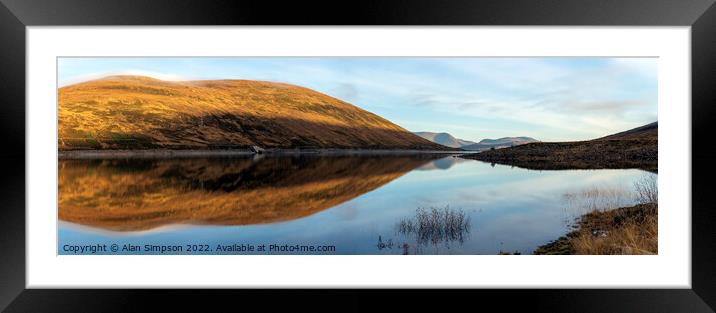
x: 16, y: 15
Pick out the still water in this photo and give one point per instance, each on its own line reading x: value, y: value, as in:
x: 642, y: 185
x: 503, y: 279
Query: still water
x: 324, y: 205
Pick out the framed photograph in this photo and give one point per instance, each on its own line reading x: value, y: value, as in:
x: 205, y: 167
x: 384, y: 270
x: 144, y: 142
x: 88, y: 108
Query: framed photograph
x: 516, y: 145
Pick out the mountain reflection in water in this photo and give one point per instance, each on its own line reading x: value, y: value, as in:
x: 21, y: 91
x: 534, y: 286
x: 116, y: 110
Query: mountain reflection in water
x: 361, y: 204
x: 142, y: 194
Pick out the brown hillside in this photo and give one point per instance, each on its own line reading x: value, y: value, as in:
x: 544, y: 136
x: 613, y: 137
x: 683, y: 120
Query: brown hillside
x: 131, y: 112
x: 648, y: 132
x: 635, y: 148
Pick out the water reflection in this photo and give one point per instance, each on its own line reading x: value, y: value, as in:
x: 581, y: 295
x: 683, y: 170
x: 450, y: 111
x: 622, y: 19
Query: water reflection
x: 596, y: 198
x: 429, y: 227
x: 141, y: 194
x: 443, y: 163
x: 360, y: 205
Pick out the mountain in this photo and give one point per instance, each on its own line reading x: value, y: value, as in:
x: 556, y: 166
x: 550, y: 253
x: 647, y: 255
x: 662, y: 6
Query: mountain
x: 503, y: 142
x: 135, y: 112
x: 634, y: 148
x: 448, y: 140
x: 444, y: 139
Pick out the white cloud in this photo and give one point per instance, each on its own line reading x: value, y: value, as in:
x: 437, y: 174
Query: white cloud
x: 647, y: 67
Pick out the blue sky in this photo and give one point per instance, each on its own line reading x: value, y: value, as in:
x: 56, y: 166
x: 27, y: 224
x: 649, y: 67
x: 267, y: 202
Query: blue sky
x: 550, y: 99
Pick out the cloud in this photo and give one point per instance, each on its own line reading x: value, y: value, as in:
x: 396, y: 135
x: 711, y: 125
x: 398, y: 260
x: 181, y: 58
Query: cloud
x: 346, y: 92
x: 589, y: 107
x: 647, y: 67
x: 425, y: 100
x: 478, y: 104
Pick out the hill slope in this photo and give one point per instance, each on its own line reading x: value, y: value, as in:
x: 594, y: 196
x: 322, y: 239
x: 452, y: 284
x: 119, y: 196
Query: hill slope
x: 503, y: 142
x: 444, y: 139
x: 649, y: 131
x: 134, y: 112
x: 635, y: 148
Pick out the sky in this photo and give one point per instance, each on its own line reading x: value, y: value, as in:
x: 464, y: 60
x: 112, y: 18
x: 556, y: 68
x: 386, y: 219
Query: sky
x: 549, y: 99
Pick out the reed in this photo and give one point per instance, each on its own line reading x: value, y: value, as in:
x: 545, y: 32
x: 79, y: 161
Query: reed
x: 436, y: 225
x: 622, y: 230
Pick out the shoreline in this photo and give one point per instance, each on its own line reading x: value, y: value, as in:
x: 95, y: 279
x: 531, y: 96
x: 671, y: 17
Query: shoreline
x: 621, y: 231
x: 160, y: 153
x: 593, y: 154
x: 556, y: 165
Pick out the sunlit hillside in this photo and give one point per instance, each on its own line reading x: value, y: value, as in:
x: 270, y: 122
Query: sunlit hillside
x: 133, y: 112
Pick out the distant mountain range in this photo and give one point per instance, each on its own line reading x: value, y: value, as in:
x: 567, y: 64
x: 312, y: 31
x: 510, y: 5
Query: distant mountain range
x: 504, y: 142
x: 448, y: 140
x: 136, y: 112
x: 445, y: 139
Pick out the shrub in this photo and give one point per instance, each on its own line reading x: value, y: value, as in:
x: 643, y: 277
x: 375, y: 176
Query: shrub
x: 647, y: 189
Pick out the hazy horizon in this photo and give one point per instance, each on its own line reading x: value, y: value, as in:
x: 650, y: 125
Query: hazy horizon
x: 549, y: 99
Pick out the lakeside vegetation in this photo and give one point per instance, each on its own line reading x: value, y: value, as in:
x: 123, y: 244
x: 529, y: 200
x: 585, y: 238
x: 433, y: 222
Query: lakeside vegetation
x: 428, y: 228
x: 624, y: 230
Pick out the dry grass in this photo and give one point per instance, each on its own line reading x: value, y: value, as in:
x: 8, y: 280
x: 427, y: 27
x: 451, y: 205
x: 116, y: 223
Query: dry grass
x: 625, y: 230
x: 131, y: 112
x: 631, y: 230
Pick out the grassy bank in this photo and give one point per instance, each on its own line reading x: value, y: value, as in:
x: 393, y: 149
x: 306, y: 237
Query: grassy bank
x: 629, y: 230
x: 607, y: 229
x: 594, y: 154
